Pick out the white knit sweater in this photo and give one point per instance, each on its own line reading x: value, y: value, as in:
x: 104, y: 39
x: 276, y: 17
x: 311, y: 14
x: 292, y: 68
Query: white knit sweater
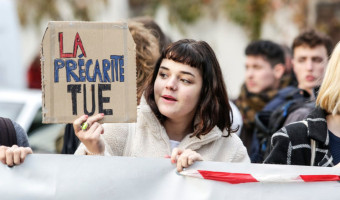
x: 148, y: 138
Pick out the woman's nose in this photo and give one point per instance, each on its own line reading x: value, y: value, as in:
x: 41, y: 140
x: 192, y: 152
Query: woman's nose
x: 171, y: 84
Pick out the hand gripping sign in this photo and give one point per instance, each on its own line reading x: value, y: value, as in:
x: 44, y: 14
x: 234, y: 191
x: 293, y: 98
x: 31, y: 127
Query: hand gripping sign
x: 88, y: 68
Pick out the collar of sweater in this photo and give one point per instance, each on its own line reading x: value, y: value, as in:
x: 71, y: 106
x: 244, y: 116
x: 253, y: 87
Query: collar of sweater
x: 148, y: 118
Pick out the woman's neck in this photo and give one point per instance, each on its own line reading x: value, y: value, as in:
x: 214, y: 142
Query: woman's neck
x: 333, y: 124
x: 178, y: 129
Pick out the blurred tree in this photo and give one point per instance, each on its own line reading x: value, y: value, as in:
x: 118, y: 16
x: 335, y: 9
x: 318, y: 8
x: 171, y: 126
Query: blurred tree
x: 181, y: 12
x: 248, y: 13
x: 35, y: 11
x: 328, y: 19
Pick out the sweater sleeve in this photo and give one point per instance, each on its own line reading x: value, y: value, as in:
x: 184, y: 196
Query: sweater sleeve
x: 114, y: 137
x: 280, y: 142
x: 241, y: 154
x: 82, y: 150
x: 22, y: 139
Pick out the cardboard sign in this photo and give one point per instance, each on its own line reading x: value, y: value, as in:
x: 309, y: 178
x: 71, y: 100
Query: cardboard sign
x: 88, y: 68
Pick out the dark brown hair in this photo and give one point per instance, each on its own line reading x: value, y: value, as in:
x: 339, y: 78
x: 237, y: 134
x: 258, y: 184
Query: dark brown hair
x: 311, y: 38
x: 271, y: 51
x: 213, y: 108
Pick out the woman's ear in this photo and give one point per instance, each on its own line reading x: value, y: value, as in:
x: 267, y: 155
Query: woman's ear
x: 279, y: 70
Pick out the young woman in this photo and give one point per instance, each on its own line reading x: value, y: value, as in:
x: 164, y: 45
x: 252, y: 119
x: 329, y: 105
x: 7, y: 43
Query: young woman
x: 184, y: 112
x: 316, y: 140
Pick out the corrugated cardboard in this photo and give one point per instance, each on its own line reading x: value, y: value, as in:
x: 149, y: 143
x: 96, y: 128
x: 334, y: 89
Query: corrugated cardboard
x: 88, y: 68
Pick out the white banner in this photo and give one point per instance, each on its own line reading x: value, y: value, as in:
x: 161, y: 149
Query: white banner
x: 95, y: 177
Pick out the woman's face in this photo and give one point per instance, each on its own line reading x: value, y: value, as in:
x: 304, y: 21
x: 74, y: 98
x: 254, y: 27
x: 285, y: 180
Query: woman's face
x: 177, y: 90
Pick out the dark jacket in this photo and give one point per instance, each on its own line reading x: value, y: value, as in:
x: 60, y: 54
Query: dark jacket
x: 272, y: 118
x: 8, y: 127
x: 291, y: 144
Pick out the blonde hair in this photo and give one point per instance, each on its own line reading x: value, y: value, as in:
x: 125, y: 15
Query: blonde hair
x: 329, y: 93
x: 147, y: 53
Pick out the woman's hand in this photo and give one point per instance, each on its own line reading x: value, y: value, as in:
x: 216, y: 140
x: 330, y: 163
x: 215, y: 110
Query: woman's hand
x: 184, y: 158
x: 13, y: 155
x: 90, y: 136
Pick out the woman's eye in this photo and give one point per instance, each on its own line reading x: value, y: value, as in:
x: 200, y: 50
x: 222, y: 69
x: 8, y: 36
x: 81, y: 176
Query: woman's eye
x: 185, y: 81
x: 163, y: 75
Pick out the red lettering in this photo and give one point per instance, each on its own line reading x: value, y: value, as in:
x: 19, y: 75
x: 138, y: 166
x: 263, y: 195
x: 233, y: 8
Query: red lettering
x: 61, y: 48
x: 77, y: 42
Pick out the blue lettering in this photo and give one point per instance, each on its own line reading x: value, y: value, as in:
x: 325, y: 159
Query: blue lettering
x: 106, y: 67
x: 88, y: 77
x: 115, y: 69
x: 121, y: 69
x: 97, y: 72
x: 81, y: 70
x: 70, y: 66
x: 58, y: 64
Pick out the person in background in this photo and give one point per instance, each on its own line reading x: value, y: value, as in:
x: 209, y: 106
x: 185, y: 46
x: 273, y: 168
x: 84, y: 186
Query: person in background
x: 151, y: 25
x: 14, y: 146
x: 314, y: 141
x: 264, y: 69
x: 310, y: 56
x: 147, y: 53
x: 184, y: 112
x: 310, y: 59
x: 311, y: 51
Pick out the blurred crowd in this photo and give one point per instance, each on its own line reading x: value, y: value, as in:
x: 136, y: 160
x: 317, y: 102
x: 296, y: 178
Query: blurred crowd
x: 288, y: 110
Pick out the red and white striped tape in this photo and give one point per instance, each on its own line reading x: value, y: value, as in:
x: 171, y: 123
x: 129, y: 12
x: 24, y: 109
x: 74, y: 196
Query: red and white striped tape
x: 236, y: 178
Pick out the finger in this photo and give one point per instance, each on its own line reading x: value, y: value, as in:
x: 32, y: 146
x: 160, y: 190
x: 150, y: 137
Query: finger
x: 193, y: 158
x: 184, y: 160
x: 23, y: 155
x: 185, y: 157
x: 92, y: 129
x: 3, y: 154
x: 179, y: 166
x: 16, y: 155
x: 175, y: 152
x: 9, y: 157
x: 95, y: 118
x: 97, y: 131
x: 77, y: 123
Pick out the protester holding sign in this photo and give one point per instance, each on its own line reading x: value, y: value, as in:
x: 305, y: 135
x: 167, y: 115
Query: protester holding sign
x: 184, y: 112
x: 147, y: 53
x: 316, y: 140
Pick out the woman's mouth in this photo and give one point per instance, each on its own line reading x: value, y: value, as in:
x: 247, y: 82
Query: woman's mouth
x: 169, y: 98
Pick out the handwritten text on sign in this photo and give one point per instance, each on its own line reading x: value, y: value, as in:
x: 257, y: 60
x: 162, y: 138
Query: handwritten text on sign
x: 80, y: 70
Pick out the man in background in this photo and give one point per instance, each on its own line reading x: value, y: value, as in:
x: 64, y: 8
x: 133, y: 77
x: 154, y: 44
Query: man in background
x: 311, y: 51
x: 264, y: 69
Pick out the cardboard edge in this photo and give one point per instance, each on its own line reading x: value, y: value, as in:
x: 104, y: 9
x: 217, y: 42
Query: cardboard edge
x: 131, y: 45
x: 42, y: 63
